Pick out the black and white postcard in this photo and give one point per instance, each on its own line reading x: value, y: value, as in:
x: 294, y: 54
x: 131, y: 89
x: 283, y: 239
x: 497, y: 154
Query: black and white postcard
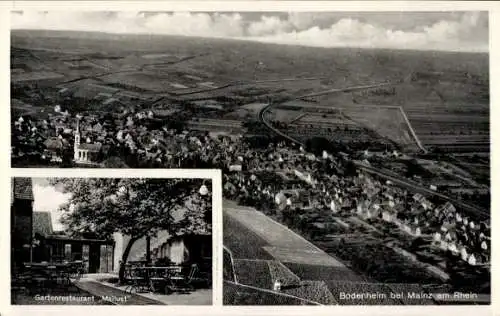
x: 351, y: 144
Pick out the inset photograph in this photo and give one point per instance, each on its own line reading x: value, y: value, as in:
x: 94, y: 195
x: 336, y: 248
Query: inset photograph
x: 110, y: 241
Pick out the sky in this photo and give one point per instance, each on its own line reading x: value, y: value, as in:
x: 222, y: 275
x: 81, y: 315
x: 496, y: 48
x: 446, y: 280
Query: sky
x: 48, y: 199
x: 445, y: 31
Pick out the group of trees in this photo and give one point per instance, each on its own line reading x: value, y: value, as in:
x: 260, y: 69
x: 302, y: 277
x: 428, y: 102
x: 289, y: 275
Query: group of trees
x: 136, y: 208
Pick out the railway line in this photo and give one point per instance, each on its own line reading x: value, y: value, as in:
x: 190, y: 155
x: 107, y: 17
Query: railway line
x: 471, y: 209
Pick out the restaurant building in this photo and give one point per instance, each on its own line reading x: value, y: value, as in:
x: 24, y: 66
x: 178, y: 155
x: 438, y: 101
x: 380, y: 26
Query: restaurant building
x: 181, y: 250
x: 33, y: 238
x: 56, y: 246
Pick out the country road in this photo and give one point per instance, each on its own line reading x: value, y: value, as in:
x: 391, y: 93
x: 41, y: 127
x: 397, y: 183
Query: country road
x: 242, y: 83
x: 268, y: 107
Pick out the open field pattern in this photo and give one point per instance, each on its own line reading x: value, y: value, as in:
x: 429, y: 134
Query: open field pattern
x: 316, y: 291
x: 347, y: 136
x: 254, y: 273
x: 320, y: 272
x: 323, y: 121
x: 454, y: 139
x: 385, y: 265
x: 445, y: 117
x: 243, y: 243
x: 388, y: 122
x: 345, y: 66
x: 280, y: 272
x: 298, y: 255
x: 238, y: 294
x: 275, y: 234
x: 446, y: 93
x: 285, y: 116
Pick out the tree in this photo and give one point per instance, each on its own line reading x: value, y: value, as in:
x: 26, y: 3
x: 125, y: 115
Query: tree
x: 316, y: 145
x: 134, y: 207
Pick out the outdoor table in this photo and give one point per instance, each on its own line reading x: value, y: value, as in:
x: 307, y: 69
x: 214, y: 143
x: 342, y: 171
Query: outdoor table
x: 163, y: 275
x: 47, y: 273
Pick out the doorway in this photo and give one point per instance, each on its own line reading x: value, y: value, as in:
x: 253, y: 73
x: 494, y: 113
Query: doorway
x: 94, y: 255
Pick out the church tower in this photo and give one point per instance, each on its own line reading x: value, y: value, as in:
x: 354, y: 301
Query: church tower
x: 77, y: 141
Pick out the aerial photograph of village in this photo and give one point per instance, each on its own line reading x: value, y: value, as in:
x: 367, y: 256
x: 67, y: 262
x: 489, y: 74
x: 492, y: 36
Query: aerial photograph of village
x: 354, y: 146
x: 131, y: 243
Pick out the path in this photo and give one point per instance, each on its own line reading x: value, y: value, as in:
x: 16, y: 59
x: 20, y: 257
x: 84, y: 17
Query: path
x: 116, y: 296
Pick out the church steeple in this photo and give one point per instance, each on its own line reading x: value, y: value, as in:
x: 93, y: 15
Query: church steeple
x: 77, y: 140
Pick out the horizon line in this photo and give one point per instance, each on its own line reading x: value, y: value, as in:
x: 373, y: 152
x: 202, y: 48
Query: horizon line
x: 253, y: 40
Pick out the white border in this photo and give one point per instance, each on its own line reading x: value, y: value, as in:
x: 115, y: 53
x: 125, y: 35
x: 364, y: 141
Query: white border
x: 256, y: 6
x: 228, y: 6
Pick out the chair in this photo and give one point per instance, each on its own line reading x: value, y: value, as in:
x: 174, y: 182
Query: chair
x: 40, y: 280
x: 197, y: 276
x: 76, y: 270
x: 157, y: 276
x: 53, y: 276
x: 21, y: 282
x: 177, y: 282
x: 140, y: 283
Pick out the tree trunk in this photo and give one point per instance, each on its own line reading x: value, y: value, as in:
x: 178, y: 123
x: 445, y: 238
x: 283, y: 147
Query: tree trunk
x: 121, y: 272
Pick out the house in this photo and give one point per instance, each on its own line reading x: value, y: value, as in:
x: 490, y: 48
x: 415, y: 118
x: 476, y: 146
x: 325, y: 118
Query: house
x: 186, y: 247
x: 183, y: 249
x: 55, y: 147
x: 305, y: 176
x: 96, y: 254
x: 235, y: 168
x: 21, y: 220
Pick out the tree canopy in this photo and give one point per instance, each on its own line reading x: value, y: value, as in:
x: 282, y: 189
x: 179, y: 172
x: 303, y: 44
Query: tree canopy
x: 316, y: 145
x: 134, y: 207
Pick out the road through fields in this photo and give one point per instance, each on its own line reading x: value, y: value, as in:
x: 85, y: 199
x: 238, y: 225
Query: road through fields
x: 477, y: 211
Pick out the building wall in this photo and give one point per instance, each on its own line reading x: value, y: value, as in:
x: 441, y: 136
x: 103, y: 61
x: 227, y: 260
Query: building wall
x: 120, y: 244
x: 177, y: 251
x: 21, y: 233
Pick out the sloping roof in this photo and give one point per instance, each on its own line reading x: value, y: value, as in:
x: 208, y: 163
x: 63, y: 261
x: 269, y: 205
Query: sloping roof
x: 55, y: 143
x: 90, y: 147
x: 23, y: 188
x: 42, y: 223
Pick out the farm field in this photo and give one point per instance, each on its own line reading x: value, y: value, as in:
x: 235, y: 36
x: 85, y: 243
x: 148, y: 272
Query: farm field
x: 386, y: 121
x: 253, y: 272
x: 316, y: 291
x: 243, y: 243
x: 323, y: 272
x: 280, y: 272
x: 445, y: 95
x: 276, y: 235
x: 237, y: 294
